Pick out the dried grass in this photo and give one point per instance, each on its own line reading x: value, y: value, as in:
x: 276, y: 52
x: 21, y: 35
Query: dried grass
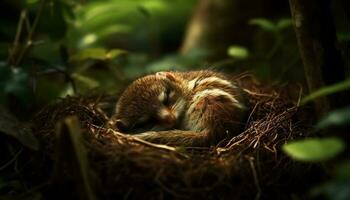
x: 250, y: 165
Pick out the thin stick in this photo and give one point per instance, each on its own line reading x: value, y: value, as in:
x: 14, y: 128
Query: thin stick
x: 256, y: 180
x: 144, y: 142
x: 300, y: 94
x: 258, y: 94
x: 29, y: 41
x: 251, y: 113
x: 11, y: 160
x: 15, y: 46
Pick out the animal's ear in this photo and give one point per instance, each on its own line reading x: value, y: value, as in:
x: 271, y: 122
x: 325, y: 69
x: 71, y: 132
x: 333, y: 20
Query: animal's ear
x: 166, y: 75
x: 120, y: 125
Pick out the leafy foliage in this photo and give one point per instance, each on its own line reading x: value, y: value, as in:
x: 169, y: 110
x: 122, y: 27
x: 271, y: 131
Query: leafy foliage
x: 275, y: 43
x: 14, y: 82
x: 340, y: 117
x: 316, y: 150
x: 313, y: 149
x: 70, y: 39
x: 270, y: 26
x: 98, y: 53
x: 341, y: 86
x: 97, y: 22
x: 237, y: 52
x: 54, y: 13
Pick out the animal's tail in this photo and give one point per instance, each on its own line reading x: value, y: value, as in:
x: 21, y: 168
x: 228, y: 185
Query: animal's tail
x: 176, y: 137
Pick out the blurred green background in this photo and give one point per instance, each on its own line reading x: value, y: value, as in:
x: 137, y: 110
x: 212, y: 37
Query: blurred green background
x: 52, y: 48
x: 81, y: 45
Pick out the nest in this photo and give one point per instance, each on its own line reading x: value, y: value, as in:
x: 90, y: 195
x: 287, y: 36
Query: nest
x: 80, y: 157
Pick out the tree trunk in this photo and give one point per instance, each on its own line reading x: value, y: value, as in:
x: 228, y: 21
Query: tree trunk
x: 346, y: 7
x: 315, y: 32
x: 217, y: 24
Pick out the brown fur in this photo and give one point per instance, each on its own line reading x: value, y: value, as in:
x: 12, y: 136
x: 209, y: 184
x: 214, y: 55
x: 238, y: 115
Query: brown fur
x: 212, y: 118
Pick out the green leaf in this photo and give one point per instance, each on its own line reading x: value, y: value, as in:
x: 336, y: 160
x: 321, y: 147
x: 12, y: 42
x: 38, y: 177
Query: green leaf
x: 52, y: 20
x: 102, y: 33
x: 95, y: 17
x: 114, y: 53
x: 335, y: 118
x: 47, y: 52
x: 91, y: 53
x: 344, y: 85
x: 284, y: 23
x: 314, y: 149
x: 14, y: 81
x: 264, y: 24
x: 238, y: 52
x: 98, y: 54
x: 90, y: 82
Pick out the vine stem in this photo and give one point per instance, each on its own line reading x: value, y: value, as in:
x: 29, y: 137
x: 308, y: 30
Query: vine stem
x: 15, y: 46
x: 29, y: 41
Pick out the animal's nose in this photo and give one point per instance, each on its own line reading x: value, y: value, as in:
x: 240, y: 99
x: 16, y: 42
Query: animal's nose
x: 167, y: 117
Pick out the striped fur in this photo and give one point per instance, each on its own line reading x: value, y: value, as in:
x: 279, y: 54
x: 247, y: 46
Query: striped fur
x: 206, y: 105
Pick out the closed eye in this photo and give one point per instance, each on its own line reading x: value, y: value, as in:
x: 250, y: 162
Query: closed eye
x: 166, y: 100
